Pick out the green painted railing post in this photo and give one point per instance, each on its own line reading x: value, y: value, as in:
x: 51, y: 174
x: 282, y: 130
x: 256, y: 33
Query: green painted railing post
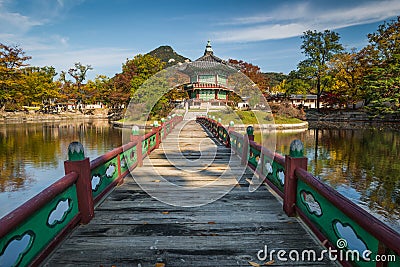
x: 78, y: 163
x: 157, y: 128
x: 250, y: 132
x: 294, y: 160
x: 249, y: 136
x: 163, y: 129
x: 231, y: 126
x: 135, y: 137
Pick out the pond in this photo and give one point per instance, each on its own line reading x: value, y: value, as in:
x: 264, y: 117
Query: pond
x: 363, y: 165
x: 32, y: 155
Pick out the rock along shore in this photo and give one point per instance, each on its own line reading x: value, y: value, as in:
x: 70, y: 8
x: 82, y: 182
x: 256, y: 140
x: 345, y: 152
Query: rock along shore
x: 23, y: 117
x: 348, y: 119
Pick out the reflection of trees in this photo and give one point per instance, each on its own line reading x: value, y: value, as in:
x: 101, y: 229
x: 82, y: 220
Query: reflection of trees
x: 366, y: 160
x: 44, y: 146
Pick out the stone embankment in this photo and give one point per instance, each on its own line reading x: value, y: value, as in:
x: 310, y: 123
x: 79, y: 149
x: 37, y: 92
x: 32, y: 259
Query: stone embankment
x: 351, y: 120
x: 279, y: 127
x: 21, y: 117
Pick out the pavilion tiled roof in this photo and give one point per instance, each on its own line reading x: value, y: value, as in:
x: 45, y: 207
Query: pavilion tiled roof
x: 209, y: 57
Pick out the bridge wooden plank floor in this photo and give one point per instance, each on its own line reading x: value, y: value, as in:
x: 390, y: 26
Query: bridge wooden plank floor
x: 131, y: 228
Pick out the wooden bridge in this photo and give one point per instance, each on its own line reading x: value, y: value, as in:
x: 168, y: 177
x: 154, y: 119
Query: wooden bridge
x: 132, y: 228
x: 189, y: 204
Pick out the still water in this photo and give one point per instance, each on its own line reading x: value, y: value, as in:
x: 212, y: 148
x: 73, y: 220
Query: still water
x: 32, y: 155
x: 361, y: 164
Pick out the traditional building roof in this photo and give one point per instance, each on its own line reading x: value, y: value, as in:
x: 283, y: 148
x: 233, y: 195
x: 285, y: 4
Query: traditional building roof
x: 209, y: 56
x: 209, y: 64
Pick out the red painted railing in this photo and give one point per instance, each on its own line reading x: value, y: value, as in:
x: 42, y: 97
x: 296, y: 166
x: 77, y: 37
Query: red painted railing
x: 331, y: 216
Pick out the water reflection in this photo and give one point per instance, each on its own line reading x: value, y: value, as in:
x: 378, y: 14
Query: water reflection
x: 361, y: 164
x: 32, y: 155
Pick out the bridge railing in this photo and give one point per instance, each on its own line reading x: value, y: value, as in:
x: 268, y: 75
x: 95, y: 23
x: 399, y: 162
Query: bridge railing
x: 338, y: 223
x: 29, y: 233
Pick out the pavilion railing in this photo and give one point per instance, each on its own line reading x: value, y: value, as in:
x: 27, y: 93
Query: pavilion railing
x: 29, y: 233
x: 356, y: 237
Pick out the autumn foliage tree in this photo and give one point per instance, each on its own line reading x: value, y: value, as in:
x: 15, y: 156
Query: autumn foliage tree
x: 134, y: 73
x: 347, y: 73
x: 38, y: 86
x: 253, y: 72
x: 381, y: 59
x: 12, y: 59
x: 319, y: 48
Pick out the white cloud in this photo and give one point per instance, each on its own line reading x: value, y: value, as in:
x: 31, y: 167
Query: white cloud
x: 101, y: 58
x: 61, y: 3
x: 290, y: 21
x: 16, y: 23
x: 264, y: 32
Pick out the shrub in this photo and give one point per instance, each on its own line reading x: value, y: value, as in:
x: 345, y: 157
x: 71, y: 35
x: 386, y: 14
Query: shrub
x: 286, y: 109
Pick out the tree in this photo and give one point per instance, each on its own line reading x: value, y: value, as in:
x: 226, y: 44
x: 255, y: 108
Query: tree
x: 381, y: 59
x: 145, y: 66
x: 12, y: 58
x: 297, y: 83
x: 65, y: 87
x: 319, y: 48
x: 134, y: 72
x: 39, y: 87
x: 275, y: 78
x: 253, y: 72
x: 348, y: 74
x: 79, y: 74
x: 96, y: 91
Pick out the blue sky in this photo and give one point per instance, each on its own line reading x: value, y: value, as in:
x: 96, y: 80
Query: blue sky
x: 105, y: 33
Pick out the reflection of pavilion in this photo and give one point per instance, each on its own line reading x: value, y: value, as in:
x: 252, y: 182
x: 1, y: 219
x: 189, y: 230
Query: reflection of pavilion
x: 208, y: 80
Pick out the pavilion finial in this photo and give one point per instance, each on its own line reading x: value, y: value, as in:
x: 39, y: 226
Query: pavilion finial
x: 209, y: 49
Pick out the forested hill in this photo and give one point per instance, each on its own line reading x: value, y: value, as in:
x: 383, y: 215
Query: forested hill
x: 167, y: 55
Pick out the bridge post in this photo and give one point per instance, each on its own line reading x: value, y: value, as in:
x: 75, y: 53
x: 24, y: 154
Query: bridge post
x: 162, y: 128
x: 249, y: 136
x: 78, y: 163
x: 157, y: 129
x: 135, y: 137
x: 294, y: 160
x: 231, y: 126
x: 168, y: 125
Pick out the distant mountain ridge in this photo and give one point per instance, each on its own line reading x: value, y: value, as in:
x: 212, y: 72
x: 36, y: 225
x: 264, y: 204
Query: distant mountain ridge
x: 168, y: 55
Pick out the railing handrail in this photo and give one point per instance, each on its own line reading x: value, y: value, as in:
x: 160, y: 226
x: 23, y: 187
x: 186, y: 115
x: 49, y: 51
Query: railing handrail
x: 275, y: 156
x: 368, y: 222
x: 34, y: 204
x: 105, y: 157
x: 384, y: 234
x: 81, y: 178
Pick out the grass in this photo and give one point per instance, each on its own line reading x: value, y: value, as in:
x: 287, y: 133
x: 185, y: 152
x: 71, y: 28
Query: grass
x: 286, y: 120
x: 251, y: 117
